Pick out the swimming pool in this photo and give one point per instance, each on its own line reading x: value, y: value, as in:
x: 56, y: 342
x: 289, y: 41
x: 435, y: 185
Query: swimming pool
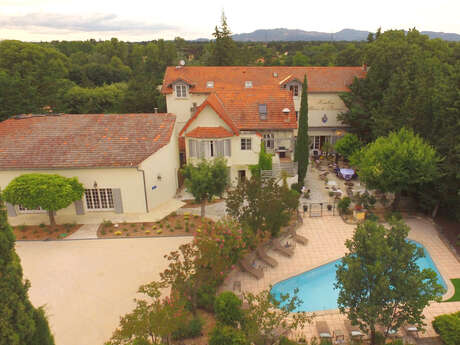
x: 316, y: 287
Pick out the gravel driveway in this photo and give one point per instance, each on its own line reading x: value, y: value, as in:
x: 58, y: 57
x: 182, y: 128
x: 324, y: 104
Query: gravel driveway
x: 87, y: 285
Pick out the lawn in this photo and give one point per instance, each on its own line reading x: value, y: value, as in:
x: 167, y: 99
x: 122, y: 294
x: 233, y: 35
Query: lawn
x: 456, y: 296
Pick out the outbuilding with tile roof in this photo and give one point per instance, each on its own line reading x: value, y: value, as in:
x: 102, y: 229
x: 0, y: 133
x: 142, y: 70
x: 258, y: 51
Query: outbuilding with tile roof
x: 128, y: 163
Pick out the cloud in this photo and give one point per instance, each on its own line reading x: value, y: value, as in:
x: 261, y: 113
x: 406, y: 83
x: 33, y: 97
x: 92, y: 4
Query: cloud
x: 95, y: 22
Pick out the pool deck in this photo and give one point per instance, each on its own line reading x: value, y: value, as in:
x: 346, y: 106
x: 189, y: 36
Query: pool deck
x: 327, y: 237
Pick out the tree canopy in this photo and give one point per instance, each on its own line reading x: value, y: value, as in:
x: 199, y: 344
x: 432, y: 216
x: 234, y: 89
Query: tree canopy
x: 20, y: 322
x: 50, y: 192
x: 401, y: 161
x: 412, y: 82
x: 391, y: 289
x: 206, y: 180
x: 224, y: 51
x: 261, y: 204
x: 347, y: 145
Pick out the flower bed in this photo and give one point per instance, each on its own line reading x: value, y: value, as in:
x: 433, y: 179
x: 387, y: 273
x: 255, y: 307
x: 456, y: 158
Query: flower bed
x: 172, y: 225
x: 44, y: 232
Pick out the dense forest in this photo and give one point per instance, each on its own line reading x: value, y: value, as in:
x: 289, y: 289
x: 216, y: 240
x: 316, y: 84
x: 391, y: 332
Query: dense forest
x: 413, y: 81
x: 114, y: 76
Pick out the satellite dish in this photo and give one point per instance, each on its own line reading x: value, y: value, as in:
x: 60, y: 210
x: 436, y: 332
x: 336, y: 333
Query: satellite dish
x: 182, y: 62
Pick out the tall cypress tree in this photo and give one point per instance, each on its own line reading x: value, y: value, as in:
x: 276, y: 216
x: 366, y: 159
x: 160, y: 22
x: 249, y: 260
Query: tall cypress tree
x: 20, y: 322
x: 301, y: 146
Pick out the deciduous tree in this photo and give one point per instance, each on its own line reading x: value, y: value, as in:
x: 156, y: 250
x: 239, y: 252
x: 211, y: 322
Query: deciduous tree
x: 347, y: 145
x: 261, y: 204
x: 266, y: 317
x: 379, y: 281
x: 206, y: 180
x: 397, y: 163
x: 153, y: 320
x: 50, y: 192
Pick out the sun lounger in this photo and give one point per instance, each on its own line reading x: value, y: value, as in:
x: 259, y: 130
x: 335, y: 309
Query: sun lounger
x: 323, y: 330
x: 412, y: 330
x: 286, y: 251
x: 248, y: 267
x: 266, y: 258
x: 354, y: 331
x: 298, y: 238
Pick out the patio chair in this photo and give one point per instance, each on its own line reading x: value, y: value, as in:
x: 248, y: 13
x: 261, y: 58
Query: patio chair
x: 251, y: 269
x: 284, y: 250
x: 323, y: 330
x: 262, y: 255
x: 354, y: 331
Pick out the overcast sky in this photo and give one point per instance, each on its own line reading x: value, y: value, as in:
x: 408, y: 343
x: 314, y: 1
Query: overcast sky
x: 138, y: 20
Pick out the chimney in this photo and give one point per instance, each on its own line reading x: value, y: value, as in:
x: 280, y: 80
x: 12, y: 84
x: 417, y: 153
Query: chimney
x: 155, y: 110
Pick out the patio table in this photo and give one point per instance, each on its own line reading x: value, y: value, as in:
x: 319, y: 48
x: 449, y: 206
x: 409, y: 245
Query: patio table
x: 347, y: 174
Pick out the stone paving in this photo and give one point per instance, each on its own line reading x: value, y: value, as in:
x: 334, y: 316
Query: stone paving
x: 86, y: 231
x: 326, y: 243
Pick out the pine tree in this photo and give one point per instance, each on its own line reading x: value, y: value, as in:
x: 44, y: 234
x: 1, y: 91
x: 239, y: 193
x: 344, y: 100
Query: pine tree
x: 20, y: 322
x: 224, y: 49
x: 301, y: 146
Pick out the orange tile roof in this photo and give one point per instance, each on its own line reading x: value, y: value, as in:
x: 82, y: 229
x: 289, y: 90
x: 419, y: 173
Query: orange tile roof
x: 243, y: 109
x: 209, y: 132
x: 240, y: 110
x: 232, y: 78
x: 82, y: 140
x: 216, y: 104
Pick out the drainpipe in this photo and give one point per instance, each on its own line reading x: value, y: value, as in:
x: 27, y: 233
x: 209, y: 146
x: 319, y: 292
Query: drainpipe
x: 145, y: 189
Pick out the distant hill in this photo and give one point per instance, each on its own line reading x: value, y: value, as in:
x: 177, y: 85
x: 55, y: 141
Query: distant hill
x: 342, y: 35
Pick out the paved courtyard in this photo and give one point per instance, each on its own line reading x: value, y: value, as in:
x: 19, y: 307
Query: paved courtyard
x: 87, y: 285
x: 326, y: 243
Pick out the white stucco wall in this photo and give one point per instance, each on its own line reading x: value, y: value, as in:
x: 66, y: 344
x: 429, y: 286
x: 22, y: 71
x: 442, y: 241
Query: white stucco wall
x: 164, y: 164
x: 129, y: 180
x: 208, y: 118
x: 181, y: 106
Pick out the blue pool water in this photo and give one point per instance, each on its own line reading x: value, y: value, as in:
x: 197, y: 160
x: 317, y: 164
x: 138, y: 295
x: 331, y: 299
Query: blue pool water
x: 316, y: 287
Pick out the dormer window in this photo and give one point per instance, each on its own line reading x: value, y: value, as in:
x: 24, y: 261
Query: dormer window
x: 248, y: 84
x: 263, y: 111
x: 210, y: 84
x: 181, y: 90
x: 294, y: 89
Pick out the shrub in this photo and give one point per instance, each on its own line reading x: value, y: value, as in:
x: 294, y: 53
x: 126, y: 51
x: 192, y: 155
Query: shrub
x: 448, y: 328
x: 68, y: 226
x: 22, y: 227
x: 297, y: 187
x: 133, y: 225
x: 42, y: 225
x: 118, y: 233
x: 103, y: 232
x: 106, y: 223
x: 286, y: 341
x: 190, y: 329
x: 372, y: 217
x: 226, y: 335
x: 206, y: 296
x: 227, y: 307
x: 178, y: 226
x: 392, y: 215
x: 344, y: 204
x: 173, y: 214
